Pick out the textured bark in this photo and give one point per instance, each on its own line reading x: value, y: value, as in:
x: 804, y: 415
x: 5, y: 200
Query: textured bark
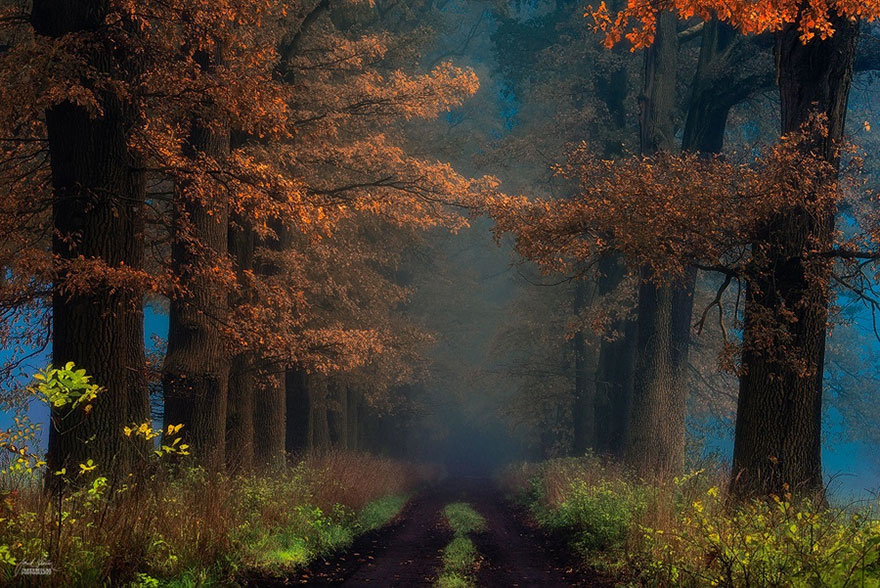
x: 269, y: 422
x: 655, y: 440
x: 242, y: 368
x: 196, y: 371
x: 779, y: 413
x: 240, y: 414
x: 98, y: 200
x: 270, y: 411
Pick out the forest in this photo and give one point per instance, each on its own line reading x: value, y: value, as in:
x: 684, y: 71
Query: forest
x: 447, y: 293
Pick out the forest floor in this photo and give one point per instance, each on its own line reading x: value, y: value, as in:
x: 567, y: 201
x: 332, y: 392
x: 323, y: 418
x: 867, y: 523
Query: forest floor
x: 408, y: 552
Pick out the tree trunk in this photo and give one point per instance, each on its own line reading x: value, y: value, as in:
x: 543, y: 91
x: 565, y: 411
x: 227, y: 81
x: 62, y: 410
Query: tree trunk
x: 779, y: 413
x: 336, y: 414
x: 711, y: 97
x: 583, y: 408
x: 242, y: 368
x: 240, y: 414
x: 614, y: 372
x: 196, y: 370
x: 655, y: 440
x: 98, y: 215
x: 270, y: 411
x: 298, y: 408
x: 269, y: 422
x: 354, y: 401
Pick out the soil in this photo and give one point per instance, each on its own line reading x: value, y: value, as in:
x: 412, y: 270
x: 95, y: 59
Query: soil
x: 408, y: 552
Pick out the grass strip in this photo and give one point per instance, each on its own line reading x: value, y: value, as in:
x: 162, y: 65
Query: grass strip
x: 460, y: 556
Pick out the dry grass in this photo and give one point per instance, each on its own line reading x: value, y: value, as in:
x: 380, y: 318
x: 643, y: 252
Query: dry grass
x: 355, y: 479
x: 174, y: 522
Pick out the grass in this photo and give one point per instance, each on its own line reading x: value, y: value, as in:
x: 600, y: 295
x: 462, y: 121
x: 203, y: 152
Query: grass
x: 463, y: 519
x: 181, y: 526
x: 382, y: 511
x: 460, y: 556
x: 686, y: 532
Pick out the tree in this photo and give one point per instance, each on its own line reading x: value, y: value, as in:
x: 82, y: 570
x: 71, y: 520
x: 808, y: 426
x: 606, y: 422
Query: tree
x: 98, y: 198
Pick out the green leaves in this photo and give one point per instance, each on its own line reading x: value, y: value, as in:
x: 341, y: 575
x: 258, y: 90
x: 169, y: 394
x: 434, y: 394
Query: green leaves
x: 67, y: 386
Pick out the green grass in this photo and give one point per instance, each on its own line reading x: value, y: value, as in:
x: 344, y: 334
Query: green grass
x: 463, y: 519
x: 380, y: 512
x: 460, y: 556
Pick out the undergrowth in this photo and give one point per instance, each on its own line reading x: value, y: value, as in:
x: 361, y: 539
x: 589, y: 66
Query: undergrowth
x: 687, y: 532
x: 181, y: 526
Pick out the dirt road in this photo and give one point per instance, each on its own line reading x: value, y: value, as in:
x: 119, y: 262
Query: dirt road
x: 408, y: 553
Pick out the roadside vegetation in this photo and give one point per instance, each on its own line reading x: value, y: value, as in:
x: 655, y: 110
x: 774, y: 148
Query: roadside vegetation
x: 687, y: 533
x: 460, y: 556
x: 174, y: 523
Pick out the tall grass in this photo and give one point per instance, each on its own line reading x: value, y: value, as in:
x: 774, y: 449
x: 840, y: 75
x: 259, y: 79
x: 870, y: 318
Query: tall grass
x: 182, y: 524
x: 687, y: 532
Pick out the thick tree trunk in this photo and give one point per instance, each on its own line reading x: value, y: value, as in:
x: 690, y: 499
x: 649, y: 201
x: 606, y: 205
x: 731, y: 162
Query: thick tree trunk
x: 242, y: 368
x: 196, y: 371
x: 298, y: 408
x: 655, y: 440
x: 98, y: 215
x: 269, y: 422
x: 711, y: 97
x: 657, y: 429
x: 240, y: 414
x: 779, y: 414
x: 270, y: 411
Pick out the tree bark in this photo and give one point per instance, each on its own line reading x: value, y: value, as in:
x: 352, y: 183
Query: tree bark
x: 655, y: 441
x: 779, y: 412
x: 269, y: 422
x: 298, y: 408
x: 583, y: 407
x: 242, y: 368
x: 196, y: 370
x: 98, y: 199
x: 270, y: 411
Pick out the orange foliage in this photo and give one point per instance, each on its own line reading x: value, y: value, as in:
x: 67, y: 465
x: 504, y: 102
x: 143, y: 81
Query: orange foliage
x: 637, y: 22
x: 316, y: 117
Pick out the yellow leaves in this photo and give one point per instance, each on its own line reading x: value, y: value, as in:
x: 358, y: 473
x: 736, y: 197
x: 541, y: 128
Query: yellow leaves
x: 144, y: 431
x: 87, y: 467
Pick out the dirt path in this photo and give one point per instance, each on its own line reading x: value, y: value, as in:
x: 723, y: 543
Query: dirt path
x: 408, y: 552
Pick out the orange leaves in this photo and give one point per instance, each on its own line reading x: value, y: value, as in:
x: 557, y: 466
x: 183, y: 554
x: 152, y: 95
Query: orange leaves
x: 668, y: 212
x: 812, y: 17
